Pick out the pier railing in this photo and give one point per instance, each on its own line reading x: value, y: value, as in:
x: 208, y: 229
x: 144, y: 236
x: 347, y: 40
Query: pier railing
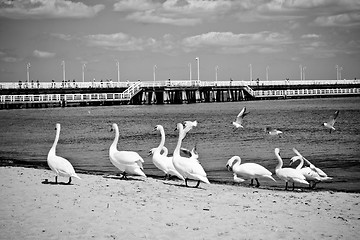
x: 168, y: 83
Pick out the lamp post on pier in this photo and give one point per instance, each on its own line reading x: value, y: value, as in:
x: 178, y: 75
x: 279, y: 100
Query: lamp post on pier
x: 28, y: 72
x: 190, y: 71
x: 216, y: 74
x: 118, y: 70
x: 83, y: 72
x: 301, y: 72
x: 198, y: 68
x: 267, y: 73
x: 154, y: 72
x: 63, y: 65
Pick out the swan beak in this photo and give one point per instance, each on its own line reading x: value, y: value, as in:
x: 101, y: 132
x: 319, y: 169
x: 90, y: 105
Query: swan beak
x: 229, y: 168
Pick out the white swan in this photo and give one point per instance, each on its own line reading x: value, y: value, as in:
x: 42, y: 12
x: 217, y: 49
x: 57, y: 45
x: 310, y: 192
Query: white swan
x: 248, y: 170
x: 310, y: 175
x: 288, y: 174
x: 189, y: 168
x: 128, y: 162
x: 190, y: 153
x: 273, y: 131
x: 60, y: 165
x: 321, y: 173
x: 330, y: 124
x: 239, y: 118
x: 162, y: 161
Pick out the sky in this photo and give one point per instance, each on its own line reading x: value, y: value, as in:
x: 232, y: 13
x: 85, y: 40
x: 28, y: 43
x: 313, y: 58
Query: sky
x: 235, y: 39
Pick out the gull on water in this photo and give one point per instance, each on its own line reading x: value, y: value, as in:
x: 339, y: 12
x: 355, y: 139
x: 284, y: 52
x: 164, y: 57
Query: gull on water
x: 288, y: 174
x: 247, y: 171
x: 60, y: 165
x: 239, y: 118
x: 189, y: 168
x: 128, y: 162
x: 330, y: 124
x: 273, y: 131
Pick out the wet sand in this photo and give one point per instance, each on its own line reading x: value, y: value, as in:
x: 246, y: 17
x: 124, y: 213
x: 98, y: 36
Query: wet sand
x: 109, y: 208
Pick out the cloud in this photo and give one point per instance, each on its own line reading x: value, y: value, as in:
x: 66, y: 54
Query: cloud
x: 42, y: 54
x: 40, y: 9
x: 310, y: 36
x: 339, y: 20
x: 173, y: 12
x: 116, y: 41
x: 228, y: 42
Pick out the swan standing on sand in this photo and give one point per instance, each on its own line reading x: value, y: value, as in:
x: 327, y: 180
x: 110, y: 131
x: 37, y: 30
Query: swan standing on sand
x: 288, y: 174
x: 310, y: 175
x: 60, y: 165
x: 128, y: 162
x: 162, y: 161
x: 239, y: 118
x: 189, y: 168
x: 247, y: 170
x: 330, y: 124
x: 322, y: 174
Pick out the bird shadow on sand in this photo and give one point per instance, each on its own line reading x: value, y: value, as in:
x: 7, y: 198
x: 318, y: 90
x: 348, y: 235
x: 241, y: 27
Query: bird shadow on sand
x: 182, y: 185
x: 46, y: 181
x: 128, y: 178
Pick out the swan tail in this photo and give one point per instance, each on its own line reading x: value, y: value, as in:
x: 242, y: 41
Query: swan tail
x: 75, y: 176
x: 270, y: 177
x: 203, y: 179
x: 176, y: 173
x: 139, y: 162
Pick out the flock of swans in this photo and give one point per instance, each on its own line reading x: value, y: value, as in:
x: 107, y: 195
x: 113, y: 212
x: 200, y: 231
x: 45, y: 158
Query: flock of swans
x: 189, y: 168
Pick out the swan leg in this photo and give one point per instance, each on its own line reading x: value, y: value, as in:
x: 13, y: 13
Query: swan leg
x: 69, y: 180
x: 186, y: 184
x: 56, y: 179
x: 252, y: 182
x: 286, y: 185
x: 257, y: 183
x: 197, y: 185
x: 293, y: 186
x: 124, y: 176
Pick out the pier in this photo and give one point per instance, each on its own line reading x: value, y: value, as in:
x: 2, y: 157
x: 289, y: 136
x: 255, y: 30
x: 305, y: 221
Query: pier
x: 66, y: 94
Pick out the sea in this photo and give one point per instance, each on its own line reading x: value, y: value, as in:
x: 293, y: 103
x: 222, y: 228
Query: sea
x: 28, y: 134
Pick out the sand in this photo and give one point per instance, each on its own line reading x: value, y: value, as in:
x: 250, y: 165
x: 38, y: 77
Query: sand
x: 109, y: 208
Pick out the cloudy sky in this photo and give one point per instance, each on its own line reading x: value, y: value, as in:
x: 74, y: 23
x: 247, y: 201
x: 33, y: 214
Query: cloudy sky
x: 138, y: 34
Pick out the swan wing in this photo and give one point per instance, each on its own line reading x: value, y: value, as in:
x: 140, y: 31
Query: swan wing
x: 126, y: 157
x: 62, y: 166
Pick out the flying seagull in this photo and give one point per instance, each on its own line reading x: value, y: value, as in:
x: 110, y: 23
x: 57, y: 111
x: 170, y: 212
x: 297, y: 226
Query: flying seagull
x: 239, y: 118
x: 330, y: 124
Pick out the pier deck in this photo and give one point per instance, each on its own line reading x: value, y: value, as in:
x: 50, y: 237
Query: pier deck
x: 51, y: 94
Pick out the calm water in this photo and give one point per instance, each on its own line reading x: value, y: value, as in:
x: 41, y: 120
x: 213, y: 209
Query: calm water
x: 28, y: 134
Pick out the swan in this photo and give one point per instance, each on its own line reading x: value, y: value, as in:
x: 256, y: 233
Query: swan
x: 189, y: 168
x: 162, y: 161
x: 190, y: 153
x: 321, y: 173
x: 60, y: 165
x: 189, y: 125
x: 288, y: 174
x: 310, y: 175
x: 239, y: 118
x: 330, y: 124
x: 273, y: 131
x: 128, y: 162
x: 248, y: 170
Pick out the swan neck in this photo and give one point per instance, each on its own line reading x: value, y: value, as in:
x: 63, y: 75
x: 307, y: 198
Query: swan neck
x: 162, y: 142
x: 301, y: 164
x: 53, y: 148
x: 116, y: 139
x: 177, y: 149
x: 280, y: 164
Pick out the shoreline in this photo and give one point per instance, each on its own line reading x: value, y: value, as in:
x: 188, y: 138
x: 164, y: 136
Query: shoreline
x: 108, y: 208
x: 43, y: 165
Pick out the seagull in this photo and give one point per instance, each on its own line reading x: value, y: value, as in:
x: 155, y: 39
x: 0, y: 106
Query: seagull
x: 273, y: 131
x: 239, y: 118
x: 330, y: 124
x: 189, y: 125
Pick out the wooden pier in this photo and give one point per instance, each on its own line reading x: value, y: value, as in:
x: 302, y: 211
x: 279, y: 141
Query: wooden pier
x: 14, y: 95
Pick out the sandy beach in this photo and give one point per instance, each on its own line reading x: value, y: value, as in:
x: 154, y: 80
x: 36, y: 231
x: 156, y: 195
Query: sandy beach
x: 109, y: 208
